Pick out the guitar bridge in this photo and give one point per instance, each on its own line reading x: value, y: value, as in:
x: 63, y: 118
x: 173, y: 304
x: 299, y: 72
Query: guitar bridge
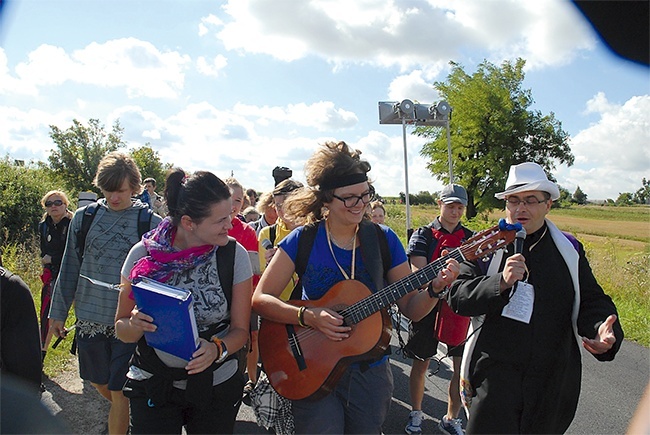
x: 295, y: 347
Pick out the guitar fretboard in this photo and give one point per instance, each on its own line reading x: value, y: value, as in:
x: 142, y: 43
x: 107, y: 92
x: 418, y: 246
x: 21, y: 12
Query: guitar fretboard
x: 366, y: 307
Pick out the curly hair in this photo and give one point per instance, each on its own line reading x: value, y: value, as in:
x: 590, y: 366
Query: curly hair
x: 332, y: 161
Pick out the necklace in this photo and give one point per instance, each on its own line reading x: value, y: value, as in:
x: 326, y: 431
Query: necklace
x: 349, y: 243
x: 354, y: 246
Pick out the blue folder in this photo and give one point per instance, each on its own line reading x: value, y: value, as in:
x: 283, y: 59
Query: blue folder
x: 173, y: 314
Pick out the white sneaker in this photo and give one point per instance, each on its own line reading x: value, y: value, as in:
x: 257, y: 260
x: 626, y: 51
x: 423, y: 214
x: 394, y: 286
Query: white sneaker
x: 452, y: 426
x: 415, y: 421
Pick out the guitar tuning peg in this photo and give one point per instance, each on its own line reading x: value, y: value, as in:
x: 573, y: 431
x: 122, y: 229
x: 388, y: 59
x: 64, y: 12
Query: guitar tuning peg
x: 485, y: 259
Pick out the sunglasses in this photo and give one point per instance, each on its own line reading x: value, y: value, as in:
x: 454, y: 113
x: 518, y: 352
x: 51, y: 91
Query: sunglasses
x: 56, y: 202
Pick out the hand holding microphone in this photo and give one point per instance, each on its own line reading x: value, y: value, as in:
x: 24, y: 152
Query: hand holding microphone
x: 515, y: 267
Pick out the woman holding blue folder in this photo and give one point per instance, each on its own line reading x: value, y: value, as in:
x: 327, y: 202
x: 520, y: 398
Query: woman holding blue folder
x: 189, y: 249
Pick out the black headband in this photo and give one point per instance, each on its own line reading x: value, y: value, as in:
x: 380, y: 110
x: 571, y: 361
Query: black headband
x: 345, y: 180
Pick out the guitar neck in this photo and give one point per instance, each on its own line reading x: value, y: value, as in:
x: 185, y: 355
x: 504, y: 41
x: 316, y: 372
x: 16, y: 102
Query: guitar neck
x: 385, y: 297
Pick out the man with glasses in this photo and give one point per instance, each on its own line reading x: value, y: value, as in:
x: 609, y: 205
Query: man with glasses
x: 532, y: 311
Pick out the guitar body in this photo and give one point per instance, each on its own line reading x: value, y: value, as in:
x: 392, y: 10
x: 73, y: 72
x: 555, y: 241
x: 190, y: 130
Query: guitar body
x: 303, y: 363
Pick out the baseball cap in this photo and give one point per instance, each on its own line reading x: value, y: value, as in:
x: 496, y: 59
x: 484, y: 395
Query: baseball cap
x: 453, y: 193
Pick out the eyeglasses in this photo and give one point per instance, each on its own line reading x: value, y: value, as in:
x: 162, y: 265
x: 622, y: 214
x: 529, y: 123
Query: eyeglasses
x: 530, y: 201
x: 56, y: 202
x: 352, y: 201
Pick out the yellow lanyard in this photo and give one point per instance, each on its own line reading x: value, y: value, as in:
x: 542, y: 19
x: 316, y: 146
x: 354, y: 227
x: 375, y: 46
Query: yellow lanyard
x: 354, y: 249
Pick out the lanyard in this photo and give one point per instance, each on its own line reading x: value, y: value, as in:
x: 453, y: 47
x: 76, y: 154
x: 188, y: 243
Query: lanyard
x: 354, y: 249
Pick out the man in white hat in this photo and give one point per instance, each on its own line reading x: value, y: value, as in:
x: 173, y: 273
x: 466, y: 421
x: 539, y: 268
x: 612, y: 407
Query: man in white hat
x: 521, y: 370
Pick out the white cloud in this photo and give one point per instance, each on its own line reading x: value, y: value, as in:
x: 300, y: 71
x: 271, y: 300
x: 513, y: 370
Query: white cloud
x: 613, y: 154
x: 25, y: 134
x: 135, y: 65
x: 406, y: 34
x: 415, y: 86
x: 207, y: 23
x: 211, y: 67
x: 322, y: 116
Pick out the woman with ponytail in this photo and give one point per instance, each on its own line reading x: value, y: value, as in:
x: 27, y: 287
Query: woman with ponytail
x: 166, y: 392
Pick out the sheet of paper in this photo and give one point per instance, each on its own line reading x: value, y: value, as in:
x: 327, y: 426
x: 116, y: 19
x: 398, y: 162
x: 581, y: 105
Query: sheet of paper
x: 521, y: 303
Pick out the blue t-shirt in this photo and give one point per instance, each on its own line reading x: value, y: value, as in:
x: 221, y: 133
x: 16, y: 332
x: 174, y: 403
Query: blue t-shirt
x: 322, y: 272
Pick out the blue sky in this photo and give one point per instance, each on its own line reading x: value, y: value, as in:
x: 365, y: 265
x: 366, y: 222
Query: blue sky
x: 242, y: 86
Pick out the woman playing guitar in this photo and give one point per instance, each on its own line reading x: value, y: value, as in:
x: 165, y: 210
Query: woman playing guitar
x: 336, y: 204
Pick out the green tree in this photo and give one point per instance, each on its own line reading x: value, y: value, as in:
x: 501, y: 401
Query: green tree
x: 79, y: 150
x: 21, y: 190
x: 625, y: 198
x: 150, y: 165
x: 642, y: 196
x: 491, y: 129
x: 579, y: 196
x: 564, y: 199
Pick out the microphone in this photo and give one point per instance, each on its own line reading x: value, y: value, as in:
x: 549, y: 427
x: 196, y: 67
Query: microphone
x: 519, y: 240
x: 266, y: 244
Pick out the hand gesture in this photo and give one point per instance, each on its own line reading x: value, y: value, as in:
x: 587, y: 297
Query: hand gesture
x: 605, y: 338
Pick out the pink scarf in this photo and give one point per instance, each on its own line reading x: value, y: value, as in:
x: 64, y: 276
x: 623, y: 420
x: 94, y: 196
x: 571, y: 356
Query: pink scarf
x: 164, y: 260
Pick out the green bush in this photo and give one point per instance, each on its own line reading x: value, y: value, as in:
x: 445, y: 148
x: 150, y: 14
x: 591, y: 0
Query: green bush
x: 21, y: 190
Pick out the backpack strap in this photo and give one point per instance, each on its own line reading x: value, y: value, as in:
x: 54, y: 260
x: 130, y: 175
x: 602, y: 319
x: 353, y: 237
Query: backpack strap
x: 89, y: 214
x: 226, y: 267
x: 305, y: 243
x: 428, y: 237
x: 42, y: 229
x: 272, y: 233
x: 375, y: 252
x: 144, y: 221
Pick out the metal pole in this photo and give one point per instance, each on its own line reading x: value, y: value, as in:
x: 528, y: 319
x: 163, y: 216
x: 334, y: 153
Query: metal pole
x: 406, y: 180
x: 451, y: 168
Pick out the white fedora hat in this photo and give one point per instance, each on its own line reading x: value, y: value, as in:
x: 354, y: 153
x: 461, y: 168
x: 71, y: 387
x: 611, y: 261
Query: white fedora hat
x: 528, y: 176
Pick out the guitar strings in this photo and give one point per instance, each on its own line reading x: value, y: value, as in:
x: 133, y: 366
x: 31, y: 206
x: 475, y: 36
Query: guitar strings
x: 381, y: 298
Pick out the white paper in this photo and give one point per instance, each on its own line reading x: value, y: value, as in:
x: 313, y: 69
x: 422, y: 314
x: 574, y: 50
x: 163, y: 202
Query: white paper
x: 521, y: 303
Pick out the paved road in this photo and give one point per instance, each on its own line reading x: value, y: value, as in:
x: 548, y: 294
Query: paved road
x: 610, y: 394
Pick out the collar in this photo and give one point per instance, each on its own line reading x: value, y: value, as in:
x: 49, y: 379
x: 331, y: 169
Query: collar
x: 436, y: 225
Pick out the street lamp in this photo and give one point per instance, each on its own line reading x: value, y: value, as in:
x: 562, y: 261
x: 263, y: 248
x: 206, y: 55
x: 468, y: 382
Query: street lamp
x: 406, y: 112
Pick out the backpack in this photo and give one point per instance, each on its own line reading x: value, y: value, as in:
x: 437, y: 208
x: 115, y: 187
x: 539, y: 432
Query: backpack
x: 372, y: 237
x: 144, y: 224
x: 432, y: 247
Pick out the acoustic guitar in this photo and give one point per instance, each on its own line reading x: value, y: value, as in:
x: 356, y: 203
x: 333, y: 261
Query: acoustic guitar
x: 303, y: 363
